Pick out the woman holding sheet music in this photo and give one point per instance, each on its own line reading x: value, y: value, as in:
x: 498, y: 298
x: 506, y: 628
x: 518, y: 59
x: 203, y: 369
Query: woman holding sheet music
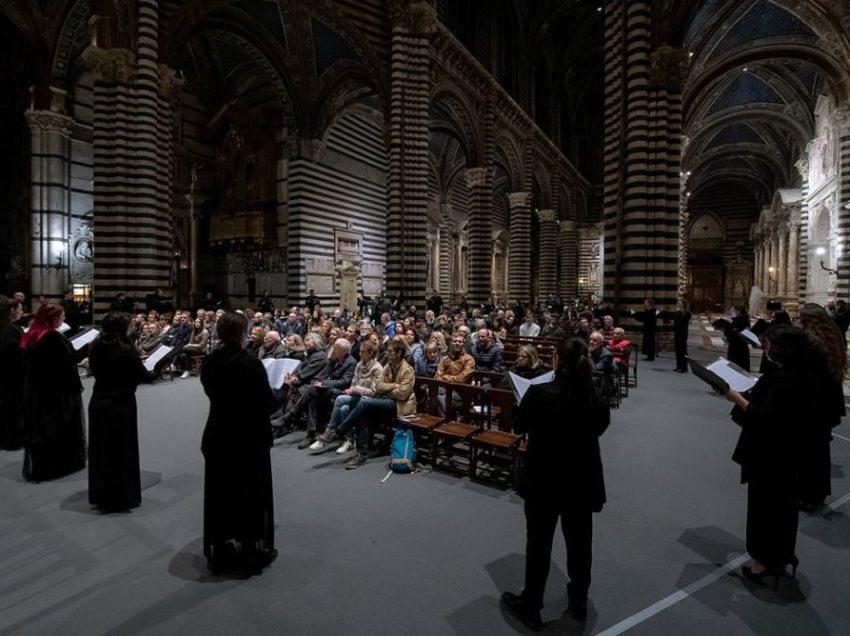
x: 114, y: 475
x: 772, y: 417
x: 238, y: 498
x: 562, y: 479
x: 54, y: 435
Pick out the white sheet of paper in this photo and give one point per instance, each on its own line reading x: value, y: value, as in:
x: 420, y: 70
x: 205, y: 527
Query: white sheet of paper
x: 737, y: 381
x: 277, y: 369
x: 521, y: 384
x: 159, y: 353
x: 752, y: 338
x: 64, y: 327
x: 83, y: 339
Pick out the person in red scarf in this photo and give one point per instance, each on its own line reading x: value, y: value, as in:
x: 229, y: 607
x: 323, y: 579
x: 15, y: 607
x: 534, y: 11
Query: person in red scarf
x: 54, y: 429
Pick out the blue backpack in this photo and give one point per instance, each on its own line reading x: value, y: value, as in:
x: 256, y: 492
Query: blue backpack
x: 403, y: 451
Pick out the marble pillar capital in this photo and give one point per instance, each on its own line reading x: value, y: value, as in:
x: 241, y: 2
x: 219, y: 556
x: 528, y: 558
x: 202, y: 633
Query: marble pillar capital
x: 412, y: 16
x: 170, y: 83
x: 802, y: 166
x: 546, y: 215
x: 110, y: 65
x: 519, y: 199
x: 568, y: 226
x: 842, y: 118
x: 476, y: 177
x: 669, y: 67
x: 48, y: 121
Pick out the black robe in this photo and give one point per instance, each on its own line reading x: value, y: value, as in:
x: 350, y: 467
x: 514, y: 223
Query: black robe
x: 114, y: 474
x: 54, y: 426
x: 816, y: 467
x: 681, y: 320
x: 12, y: 374
x: 768, y: 452
x: 649, y: 318
x: 238, y: 498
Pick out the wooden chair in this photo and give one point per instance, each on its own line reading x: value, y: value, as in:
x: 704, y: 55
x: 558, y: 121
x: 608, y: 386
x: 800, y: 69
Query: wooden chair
x: 452, y: 438
x: 495, y: 449
x: 427, y: 416
x: 632, y: 379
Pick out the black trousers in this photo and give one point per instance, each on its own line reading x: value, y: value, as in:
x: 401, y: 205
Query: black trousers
x: 541, y: 518
x: 681, y: 352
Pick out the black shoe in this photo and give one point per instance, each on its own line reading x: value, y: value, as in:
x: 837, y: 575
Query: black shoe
x: 761, y: 576
x: 515, y: 604
x: 304, y: 443
x: 356, y: 462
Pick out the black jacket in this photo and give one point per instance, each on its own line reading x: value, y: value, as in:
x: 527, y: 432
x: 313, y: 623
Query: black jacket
x: 337, y: 375
x: 563, y: 465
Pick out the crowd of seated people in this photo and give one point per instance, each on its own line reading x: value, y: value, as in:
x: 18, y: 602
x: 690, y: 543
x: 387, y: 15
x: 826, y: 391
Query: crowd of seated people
x: 356, y: 369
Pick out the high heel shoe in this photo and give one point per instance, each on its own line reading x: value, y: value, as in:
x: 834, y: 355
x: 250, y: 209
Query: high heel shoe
x: 761, y: 576
x: 793, y: 562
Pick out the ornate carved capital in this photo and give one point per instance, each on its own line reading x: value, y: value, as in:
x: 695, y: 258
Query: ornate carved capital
x: 842, y: 118
x: 47, y: 121
x: 111, y: 65
x: 668, y: 67
x: 519, y: 200
x: 568, y: 227
x: 413, y: 16
x: 170, y: 83
x: 803, y: 167
x: 546, y: 215
x: 312, y: 149
x: 476, y: 177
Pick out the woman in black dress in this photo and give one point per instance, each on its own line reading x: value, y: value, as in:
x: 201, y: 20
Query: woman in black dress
x: 11, y: 375
x: 54, y: 426
x: 772, y: 418
x: 238, y: 498
x: 827, y: 363
x: 562, y: 479
x: 114, y: 475
x: 681, y: 320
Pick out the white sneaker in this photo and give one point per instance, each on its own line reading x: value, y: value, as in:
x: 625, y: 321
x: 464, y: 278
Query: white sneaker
x: 317, y: 445
x: 185, y: 375
x: 345, y: 447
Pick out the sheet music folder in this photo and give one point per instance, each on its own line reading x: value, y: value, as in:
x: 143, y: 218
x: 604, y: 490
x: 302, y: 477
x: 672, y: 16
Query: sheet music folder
x: 722, y: 375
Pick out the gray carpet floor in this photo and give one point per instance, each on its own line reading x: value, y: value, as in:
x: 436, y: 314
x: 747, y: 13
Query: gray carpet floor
x: 423, y: 554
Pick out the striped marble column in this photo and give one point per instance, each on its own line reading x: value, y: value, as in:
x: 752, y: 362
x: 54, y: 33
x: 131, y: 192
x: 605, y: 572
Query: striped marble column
x: 447, y: 251
x: 793, y: 261
x: 133, y: 228
x: 479, y: 182
x: 409, y: 163
x: 50, y: 212
x: 568, y: 242
x: 519, y: 248
x: 548, y: 253
x: 842, y: 117
x: 643, y: 121
x: 803, y: 274
x: 782, y: 261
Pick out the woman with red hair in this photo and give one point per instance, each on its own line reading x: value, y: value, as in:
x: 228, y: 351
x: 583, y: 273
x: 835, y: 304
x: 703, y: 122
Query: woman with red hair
x: 54, y: 435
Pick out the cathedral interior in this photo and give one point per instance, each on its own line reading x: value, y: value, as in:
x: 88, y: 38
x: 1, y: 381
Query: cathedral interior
x: 502, y: 150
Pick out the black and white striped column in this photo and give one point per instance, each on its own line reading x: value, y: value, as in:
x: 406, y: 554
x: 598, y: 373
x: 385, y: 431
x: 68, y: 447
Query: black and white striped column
x: 548, y: 253
x: 803, y: 262
x: 410, y: 82
x: 479, y: 182
x: 568, y: 240
x: 519, y: 248
x: 50, y: 199
x: 842, y: 115
x: 447, y: 250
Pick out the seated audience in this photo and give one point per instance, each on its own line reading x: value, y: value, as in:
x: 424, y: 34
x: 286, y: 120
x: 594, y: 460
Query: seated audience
x: 529, y: 328
x: 487, y: 354
x: 367, y: 374
x: 255, y: 342
x: 426, y: 365
x: 272, y: 347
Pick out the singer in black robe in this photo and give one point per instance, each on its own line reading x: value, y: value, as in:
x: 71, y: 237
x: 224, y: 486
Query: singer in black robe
x: 54, y: 426
x: 238, y: 497
x: 114, y: 473
x: 11, y: 376
x: 772, y: 416
x: 649, y: 318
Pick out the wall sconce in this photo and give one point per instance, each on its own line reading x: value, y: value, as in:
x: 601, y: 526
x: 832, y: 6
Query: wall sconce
x: 834, y: 272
